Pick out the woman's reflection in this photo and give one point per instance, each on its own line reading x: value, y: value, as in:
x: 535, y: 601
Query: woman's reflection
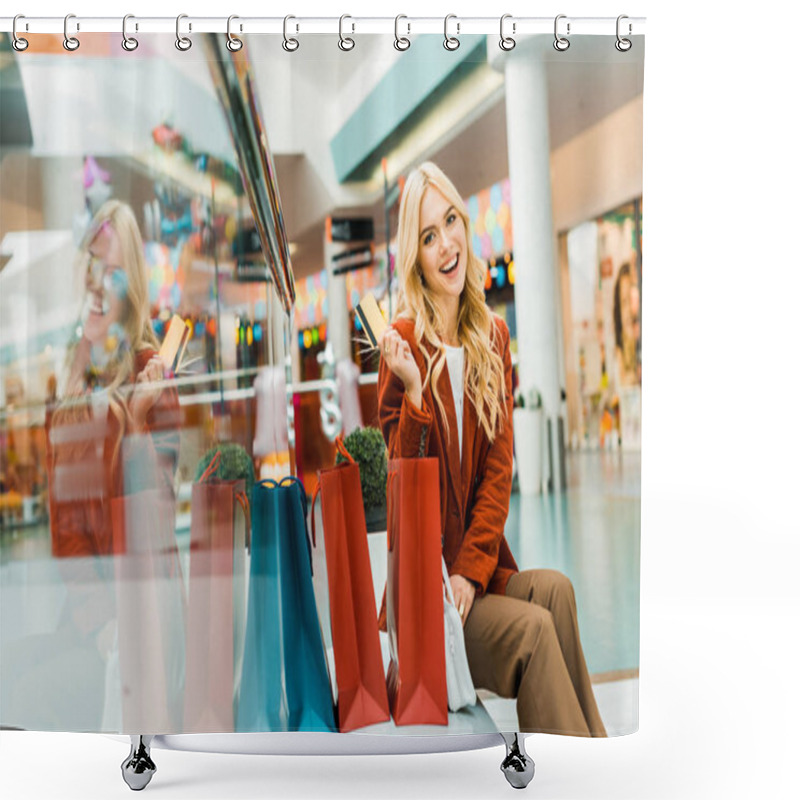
x: 113, y: 439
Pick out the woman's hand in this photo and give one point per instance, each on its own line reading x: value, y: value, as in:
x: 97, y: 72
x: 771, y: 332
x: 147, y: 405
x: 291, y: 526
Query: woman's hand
x: 147, y: 390
x: 463, y: 594
x: 396, y: 352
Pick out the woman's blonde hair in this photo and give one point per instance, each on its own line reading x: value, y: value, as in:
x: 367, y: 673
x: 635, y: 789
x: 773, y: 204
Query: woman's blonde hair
x: 138, y: 333
x: 484, y: 371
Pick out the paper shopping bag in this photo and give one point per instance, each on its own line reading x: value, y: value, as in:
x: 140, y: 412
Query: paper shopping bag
x: 285, y: 683
x: 210, y: 649
x: 417, y: 680
x: 360, y: 680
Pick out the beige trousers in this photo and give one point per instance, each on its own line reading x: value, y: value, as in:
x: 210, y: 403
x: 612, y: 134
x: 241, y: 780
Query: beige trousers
x: 526, y: 645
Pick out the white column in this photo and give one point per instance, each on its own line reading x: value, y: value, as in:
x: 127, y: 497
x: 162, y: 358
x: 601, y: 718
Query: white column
x: 536, y: 292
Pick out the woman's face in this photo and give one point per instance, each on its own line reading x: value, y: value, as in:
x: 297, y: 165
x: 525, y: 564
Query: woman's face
x: 442, y: 244
x: 106, y: 284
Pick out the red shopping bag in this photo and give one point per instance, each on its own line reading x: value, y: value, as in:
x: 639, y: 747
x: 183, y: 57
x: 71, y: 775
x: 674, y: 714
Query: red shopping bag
x: 210, y: 662
x: 417, y: 678
x: 354, y: 620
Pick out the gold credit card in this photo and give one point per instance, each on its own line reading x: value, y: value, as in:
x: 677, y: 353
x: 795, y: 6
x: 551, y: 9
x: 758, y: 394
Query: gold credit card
x: 371, y: 318
x: 172, y: 341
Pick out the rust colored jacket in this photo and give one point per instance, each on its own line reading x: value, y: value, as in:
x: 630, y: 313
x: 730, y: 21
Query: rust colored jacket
x: 474, y: 493
x: 81, y: 486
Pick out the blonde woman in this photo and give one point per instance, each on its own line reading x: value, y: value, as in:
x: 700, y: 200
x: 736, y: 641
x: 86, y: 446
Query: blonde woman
x: 444, y: 391
x: 114, y: 389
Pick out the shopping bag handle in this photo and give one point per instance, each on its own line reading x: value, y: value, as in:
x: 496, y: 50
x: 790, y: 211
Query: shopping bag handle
x: 342, y: 450
x: 212, y: 467
x: 288, y: 481
x: 291, y: 479
x: 273, y: 484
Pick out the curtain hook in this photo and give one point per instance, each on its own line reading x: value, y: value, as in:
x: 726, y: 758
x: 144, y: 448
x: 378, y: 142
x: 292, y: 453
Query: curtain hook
x: 234, y: 43
x: 183, y: 43
x: 19, y: 43
x: 71, y: 43
x: 623, y: 45
x: 289, y: 44
x: 128, y: 42
x: 507, y: 42
x: 451, y: 42
x: 401, y: 42
x: 561, y: 43
x: 346, y: 43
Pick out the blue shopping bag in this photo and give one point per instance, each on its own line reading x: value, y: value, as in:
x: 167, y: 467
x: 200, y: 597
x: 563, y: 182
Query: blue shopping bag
x: 285, y: 683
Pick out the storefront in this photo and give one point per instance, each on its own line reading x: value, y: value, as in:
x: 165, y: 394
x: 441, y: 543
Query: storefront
x: 601, y: 275
x: 493, y: 241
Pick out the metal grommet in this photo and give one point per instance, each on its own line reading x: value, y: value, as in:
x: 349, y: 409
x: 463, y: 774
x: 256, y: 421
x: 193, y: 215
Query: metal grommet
x: 234, y: 43
x: 128, y: 42
x: 561, y: 43
x: 183, y: 43
x: 18, y: 43
x: 345, y: 42
x: 623, y: 45
x: 401, y: 42
x: 507, y: 42
x: 451, y: 42
x: 71, y: 43
x: 289, y: 44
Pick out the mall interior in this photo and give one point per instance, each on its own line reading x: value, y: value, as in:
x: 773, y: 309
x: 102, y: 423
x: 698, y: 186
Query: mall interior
x: 547, y: 156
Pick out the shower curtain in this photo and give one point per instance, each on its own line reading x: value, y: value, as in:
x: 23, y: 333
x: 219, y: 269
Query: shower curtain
x: 260, y: 194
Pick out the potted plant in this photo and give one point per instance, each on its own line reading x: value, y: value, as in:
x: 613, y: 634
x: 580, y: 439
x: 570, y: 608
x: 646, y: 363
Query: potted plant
x: 234, y: 464
x: 368, y: 449
x: 528, y: 439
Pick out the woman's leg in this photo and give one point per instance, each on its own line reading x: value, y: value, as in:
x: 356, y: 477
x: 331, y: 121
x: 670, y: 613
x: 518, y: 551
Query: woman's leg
x: 513, y: 650
x: 553, y: 590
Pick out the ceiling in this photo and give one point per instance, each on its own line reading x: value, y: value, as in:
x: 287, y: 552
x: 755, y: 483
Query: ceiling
x: 581, y: 93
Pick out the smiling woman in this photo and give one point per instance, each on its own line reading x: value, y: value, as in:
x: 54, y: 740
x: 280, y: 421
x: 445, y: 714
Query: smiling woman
x: 115, y: 344
x: 442, y: 255
x: 114, y: 388
x: 447, y: 357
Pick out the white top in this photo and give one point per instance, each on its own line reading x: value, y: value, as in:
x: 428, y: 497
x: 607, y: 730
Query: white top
x: 455, y: 369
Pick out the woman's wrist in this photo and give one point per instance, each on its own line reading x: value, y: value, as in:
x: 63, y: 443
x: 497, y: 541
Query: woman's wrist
x: 414, y: 394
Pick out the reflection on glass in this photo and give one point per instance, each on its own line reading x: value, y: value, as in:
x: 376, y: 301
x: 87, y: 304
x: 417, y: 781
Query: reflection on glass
x: 234, y: 83
x: 122, y: 212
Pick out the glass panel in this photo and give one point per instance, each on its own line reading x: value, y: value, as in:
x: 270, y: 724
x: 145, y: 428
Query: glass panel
x: 136, y: 310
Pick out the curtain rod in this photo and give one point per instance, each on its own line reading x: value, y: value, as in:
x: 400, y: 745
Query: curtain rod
x: 517, y: 26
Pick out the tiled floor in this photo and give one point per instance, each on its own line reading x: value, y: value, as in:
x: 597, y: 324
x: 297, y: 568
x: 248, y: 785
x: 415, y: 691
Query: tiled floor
x: 591, y: 534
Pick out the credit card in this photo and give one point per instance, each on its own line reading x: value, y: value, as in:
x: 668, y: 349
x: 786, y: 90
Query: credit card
x: 371, y: 318
x: 172, y: 342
